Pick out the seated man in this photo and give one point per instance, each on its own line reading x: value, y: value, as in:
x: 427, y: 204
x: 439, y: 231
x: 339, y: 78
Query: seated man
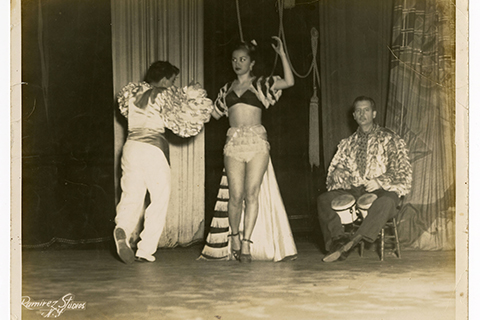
x: 372, y: 160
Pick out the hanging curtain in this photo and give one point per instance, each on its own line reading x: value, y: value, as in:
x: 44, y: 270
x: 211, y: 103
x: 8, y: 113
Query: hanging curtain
x: 421, y: 109
x: 353, y: 51
x: 144, y: 31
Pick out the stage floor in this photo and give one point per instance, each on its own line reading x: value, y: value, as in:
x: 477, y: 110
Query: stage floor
x: 419, y: 286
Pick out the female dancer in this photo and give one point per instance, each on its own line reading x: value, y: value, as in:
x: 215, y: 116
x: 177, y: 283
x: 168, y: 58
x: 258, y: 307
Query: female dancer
x: 246, y: 158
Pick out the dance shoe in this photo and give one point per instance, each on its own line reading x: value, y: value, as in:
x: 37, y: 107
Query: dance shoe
x: 123, y: 247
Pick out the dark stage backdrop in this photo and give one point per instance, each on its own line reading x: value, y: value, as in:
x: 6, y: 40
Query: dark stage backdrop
x: 355, y: 36
x: 67, y: 128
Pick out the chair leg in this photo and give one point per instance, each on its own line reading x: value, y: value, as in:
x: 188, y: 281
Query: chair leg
x: 397, y: 241
x: 362, y: 246
x: 382, y: 244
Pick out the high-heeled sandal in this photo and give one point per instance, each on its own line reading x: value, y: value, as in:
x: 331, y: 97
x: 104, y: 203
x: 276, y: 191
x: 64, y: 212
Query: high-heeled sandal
x: 246, y: 257
x: 235, y: 253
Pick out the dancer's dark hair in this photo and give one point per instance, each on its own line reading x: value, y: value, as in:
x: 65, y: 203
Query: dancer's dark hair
x: 159, y: 70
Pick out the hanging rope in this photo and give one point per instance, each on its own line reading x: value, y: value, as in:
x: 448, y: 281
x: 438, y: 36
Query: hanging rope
x: 281, y: 35
x: 314, y: 119
x: 239, y: 21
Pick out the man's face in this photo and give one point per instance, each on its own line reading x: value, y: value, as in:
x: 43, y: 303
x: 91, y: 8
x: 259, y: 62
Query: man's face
x: 364, y: 113
x: 165, y: 82
x: 170, y: 81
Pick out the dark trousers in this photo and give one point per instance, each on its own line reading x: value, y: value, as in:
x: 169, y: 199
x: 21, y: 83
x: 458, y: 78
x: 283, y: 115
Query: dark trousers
x: 382, y: 209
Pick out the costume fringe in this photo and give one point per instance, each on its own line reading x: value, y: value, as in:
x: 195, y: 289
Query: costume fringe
x: 216, y: 246
x: 223, y: 194
x: 210, y: 253
x: 221, y: 206
x: 224, y: 181
x: 216, y: 238
x: 219, y: 222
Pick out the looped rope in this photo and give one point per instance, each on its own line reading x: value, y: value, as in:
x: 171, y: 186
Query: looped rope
x: 281, y: 34
x: 314, y: 44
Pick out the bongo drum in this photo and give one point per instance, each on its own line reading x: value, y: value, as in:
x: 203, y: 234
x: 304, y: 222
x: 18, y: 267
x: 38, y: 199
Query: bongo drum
x: 344, y: 205
x: 364, y: 203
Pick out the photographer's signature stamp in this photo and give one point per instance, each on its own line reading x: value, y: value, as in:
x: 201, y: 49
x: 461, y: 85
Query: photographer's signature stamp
x: 54, y: 308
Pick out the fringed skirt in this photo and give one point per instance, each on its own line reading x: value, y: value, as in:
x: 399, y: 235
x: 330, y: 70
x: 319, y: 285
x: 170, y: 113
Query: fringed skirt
x: 244, y: 143
x: 272, y: 237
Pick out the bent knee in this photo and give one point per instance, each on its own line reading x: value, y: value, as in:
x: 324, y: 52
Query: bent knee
x: 325, y: 199
x: 386, y: 202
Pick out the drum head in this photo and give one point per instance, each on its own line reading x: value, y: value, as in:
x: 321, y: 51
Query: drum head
x: 343, y: 202
x: 347, y: 216
x: 366, y: 200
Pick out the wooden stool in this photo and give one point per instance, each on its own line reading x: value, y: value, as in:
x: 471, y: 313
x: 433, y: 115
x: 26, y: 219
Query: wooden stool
x: 391, y: 238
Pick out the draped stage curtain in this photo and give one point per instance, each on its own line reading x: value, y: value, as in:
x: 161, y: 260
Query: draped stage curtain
x: 144, y: 31
x: 354, y: 39
x: 421, y: 106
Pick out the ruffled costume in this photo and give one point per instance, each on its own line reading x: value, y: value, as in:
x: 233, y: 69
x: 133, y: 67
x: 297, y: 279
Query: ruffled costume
x: 145, y: 156
x: 244, y: 143
x: 183, y: 110
x: 272, y: 237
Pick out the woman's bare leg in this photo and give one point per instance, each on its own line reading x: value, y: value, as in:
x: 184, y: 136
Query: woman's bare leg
x: 255, y: 170
x: 236, y: 186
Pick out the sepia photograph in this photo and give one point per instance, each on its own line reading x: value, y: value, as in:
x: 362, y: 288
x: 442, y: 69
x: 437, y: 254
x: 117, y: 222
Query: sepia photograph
x: 239, y: 159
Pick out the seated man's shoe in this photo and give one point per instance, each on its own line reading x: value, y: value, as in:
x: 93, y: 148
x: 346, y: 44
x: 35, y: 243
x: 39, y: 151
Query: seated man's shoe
x: 123, y: 247
x: 337, y: 243
x: 341, y: 253
x: 343, y: 257
x: 333, y: 256
x: 345, y: 254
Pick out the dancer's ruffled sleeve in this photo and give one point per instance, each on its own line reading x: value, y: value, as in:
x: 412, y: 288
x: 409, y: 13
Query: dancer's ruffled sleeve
x: 185, y: 110
x: 265, y: 91
x: 127, y: 93
x: 220, y: 105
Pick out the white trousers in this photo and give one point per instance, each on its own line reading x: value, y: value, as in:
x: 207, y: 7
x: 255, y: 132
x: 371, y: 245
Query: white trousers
x: 144, y: 168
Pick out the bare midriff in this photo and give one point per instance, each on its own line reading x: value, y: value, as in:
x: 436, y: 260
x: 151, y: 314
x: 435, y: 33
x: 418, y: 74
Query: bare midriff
x: 242, y: 114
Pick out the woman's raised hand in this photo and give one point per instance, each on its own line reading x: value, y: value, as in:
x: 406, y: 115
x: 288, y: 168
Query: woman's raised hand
x: 288, y: 79
x: 279, y: 47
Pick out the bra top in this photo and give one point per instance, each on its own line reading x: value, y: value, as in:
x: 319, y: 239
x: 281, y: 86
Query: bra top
x: 248, y: 97
x: 260, y: 94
